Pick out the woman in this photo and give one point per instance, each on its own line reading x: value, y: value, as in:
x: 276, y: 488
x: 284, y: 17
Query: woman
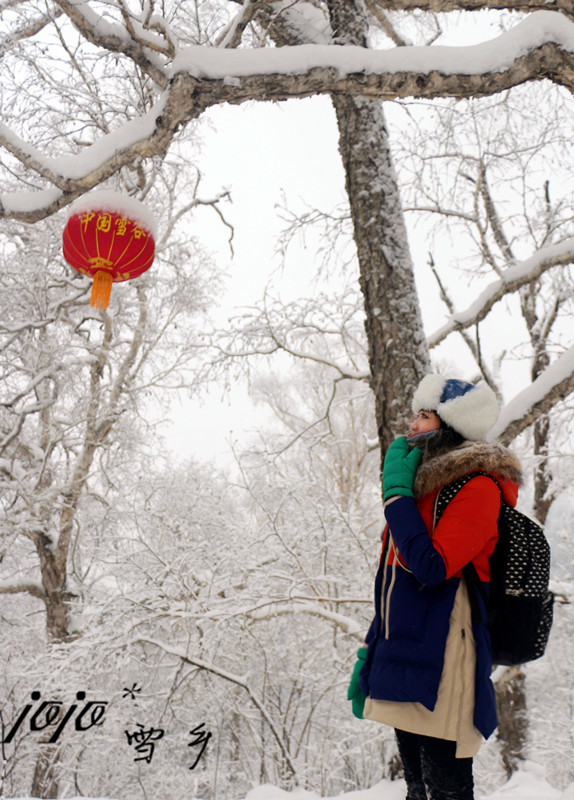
x: 426, y: 668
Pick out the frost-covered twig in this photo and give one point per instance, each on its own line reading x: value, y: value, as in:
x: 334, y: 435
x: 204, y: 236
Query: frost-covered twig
x: 238, y: 680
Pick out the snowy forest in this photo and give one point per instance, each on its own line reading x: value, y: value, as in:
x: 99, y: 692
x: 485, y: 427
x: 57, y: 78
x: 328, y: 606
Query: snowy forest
x: 182, y: 627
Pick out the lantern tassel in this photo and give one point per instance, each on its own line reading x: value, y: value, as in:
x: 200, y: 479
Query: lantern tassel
x: 101, y: 289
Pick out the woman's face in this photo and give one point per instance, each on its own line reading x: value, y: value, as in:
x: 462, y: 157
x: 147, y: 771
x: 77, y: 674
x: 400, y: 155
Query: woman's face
x: 424, y: 422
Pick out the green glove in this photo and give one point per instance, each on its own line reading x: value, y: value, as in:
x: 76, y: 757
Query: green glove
x: 399, y: 468
x: 354, y: 692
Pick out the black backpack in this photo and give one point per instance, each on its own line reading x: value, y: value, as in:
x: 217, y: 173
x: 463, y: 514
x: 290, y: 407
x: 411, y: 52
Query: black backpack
x: 519, y: 604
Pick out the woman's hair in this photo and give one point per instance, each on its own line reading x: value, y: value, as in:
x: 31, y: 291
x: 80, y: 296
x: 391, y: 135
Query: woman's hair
x: 441, y: 440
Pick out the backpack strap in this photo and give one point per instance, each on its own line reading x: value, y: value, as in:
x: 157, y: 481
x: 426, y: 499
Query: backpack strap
x: 447, y: 493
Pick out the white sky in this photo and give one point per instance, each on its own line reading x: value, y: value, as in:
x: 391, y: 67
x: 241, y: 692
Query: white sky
x: 257, y: 150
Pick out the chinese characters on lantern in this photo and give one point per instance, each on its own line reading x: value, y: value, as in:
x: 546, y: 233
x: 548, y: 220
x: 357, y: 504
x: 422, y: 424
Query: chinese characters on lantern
x: 53, y: 716
x: 111, y: 223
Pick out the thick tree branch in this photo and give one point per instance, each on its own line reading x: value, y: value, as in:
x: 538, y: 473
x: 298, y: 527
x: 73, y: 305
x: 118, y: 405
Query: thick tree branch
x: 527, y: 6
x: 33, y: 589
x: 555, y: 384
x: 422, y: 72
x: 204, y: 77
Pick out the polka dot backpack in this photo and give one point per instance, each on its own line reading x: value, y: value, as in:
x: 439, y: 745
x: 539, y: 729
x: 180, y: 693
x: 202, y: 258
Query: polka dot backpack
x: 519, y: 605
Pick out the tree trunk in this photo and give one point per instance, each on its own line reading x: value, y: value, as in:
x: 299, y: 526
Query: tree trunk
x: 512, y: 718
x: 45, y: 782
x: 539, y: 332
x: 54, y: 575
x: 398, y: 353
x: 543, y: 495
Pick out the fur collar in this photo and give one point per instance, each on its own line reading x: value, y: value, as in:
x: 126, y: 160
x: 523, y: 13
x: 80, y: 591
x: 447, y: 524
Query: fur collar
x: 468, y: 457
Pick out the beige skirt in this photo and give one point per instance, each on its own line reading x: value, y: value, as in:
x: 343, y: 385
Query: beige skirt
x: 452, y: 717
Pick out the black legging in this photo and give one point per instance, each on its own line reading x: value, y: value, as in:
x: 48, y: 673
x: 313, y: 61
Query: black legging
x: 432, y: 771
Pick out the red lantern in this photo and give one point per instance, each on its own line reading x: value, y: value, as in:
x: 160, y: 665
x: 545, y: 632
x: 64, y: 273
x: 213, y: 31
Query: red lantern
x: 110, y: 238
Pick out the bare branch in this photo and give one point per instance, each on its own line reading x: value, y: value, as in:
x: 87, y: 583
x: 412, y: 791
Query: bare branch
x: 385, y: 23
x: 33, y: 589
x: 28, y: 31
x: 293, y: 606
x: 231, y: 35
x: 492, y: 215
x: 472, y: 344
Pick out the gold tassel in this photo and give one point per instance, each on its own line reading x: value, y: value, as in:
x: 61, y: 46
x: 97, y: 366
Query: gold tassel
x: 101, y: 289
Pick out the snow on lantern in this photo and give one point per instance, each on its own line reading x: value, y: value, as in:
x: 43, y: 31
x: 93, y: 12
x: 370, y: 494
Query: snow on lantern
x: 109, y: 237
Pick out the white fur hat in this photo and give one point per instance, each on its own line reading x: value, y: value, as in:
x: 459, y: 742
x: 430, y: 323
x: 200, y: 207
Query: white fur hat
x: 471, y: 410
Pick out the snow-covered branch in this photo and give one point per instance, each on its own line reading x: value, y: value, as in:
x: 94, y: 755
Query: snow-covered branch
x: 73, y: 175
x: 555, y: 383
x: 542, y: 46
x: 512, y: 279
x: 285, y: 607
x: 144, y: 48
x: 417, y: 71
x: 525, y: 6
x: 28, y: 30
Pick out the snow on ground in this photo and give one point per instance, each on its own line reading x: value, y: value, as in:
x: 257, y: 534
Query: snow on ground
x: 527, y: 784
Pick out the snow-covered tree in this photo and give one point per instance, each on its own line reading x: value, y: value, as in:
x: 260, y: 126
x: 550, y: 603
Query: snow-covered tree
x: 74, y: 411
x: 105, y: 93
x: 167, y: 67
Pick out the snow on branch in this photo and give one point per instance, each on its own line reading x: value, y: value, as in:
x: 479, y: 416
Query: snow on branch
x: 513, y: 278
x: 28, y: 30
x: 555, y: 384
x: 75, y: 174
x: 526, y: 6
x: 281, y: 608
x: 139, y: 44
x: 47, y: 374
x: 495, y: 56
x: 541, y: 46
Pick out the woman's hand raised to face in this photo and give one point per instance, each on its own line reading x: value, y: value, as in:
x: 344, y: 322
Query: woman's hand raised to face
x: 399, y: 468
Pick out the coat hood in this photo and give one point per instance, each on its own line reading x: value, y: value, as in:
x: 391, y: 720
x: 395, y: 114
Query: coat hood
x: 493, y: 458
